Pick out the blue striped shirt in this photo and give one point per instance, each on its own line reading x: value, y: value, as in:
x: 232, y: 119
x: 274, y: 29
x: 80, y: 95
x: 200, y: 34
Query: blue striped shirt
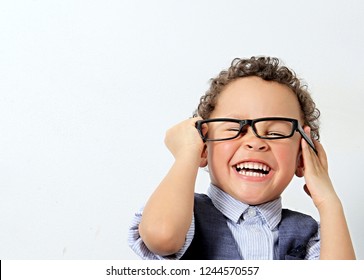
x: 254, y: 228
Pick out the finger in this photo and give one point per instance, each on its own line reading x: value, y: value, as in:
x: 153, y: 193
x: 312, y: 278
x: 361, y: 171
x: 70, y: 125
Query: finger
x: 318, y: 146
x: 321, y: 154
x: 306, y: 148
x: 197, y: 118
x: 312, y: 160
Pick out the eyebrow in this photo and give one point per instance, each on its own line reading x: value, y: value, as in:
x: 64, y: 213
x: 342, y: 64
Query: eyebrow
x: 234, y: 116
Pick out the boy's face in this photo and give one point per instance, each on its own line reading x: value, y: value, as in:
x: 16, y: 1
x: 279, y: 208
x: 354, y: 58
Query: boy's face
x: 251, y: 98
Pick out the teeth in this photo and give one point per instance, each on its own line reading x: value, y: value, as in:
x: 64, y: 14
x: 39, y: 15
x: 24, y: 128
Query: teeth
x: 251, y: 173
x: 254, y: 169
x: 253, y: 165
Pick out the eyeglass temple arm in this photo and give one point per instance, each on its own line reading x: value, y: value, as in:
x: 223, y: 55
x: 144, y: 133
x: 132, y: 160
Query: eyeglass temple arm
x: 308, y: 140
x: 198, y: 127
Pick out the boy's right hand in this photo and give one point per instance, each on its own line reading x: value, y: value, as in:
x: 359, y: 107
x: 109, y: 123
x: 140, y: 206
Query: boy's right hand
x: 168, y: 214
x: 183, y: 139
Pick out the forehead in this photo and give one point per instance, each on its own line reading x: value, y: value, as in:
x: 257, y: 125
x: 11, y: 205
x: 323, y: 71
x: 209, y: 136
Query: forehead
x: 253, y: 97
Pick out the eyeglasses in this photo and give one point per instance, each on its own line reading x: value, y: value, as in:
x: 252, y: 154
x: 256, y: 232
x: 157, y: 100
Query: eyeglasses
x: 221, y: 129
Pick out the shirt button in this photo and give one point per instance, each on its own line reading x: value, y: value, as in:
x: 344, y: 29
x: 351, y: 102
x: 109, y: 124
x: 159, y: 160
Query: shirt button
x: 251, y: 212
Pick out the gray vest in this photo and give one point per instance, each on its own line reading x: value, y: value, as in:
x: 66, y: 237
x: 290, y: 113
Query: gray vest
x: 213, y: 239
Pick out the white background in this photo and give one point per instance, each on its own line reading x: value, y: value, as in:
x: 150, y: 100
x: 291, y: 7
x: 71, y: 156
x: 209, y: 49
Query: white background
x: 88, y: 89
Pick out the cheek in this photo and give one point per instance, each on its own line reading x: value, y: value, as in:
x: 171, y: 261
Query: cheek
x: 220, y: 153
x: 288, y: 156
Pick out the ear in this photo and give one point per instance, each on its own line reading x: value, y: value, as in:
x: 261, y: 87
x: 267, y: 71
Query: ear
x: 203, y: 162
x: 300, y: 169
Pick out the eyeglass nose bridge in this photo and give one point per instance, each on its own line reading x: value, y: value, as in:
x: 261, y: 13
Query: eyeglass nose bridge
x: 253, y: 143
x: 250, y: 123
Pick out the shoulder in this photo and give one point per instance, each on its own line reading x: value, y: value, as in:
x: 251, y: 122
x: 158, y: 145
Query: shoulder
x: 297, y: 220
x: 291, y: 214
x: 201, y: 197
x: 202, y: 200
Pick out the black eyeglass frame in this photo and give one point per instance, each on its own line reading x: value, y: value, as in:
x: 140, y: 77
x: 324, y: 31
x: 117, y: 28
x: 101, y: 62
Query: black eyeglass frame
x: 295, y: 128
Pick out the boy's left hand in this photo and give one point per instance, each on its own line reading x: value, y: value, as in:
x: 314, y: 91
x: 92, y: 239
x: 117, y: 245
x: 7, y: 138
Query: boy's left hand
x: 318, y: 184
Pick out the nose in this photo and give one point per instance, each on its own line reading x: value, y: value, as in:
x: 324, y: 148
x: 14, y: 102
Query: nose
x: 253, y: 143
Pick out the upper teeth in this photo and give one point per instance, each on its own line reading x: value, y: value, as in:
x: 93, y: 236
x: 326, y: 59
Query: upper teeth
x: 253, y: 165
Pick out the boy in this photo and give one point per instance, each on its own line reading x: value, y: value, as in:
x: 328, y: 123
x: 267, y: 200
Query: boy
x: 254, y: 128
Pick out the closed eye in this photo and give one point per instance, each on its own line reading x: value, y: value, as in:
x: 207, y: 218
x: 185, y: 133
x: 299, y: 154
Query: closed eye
x: 275, y: 134
x: 233, y: 129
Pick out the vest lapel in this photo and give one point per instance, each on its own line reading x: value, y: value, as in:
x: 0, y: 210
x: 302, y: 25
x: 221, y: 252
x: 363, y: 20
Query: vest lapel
x: 213, y: 239
x: 295, y: 230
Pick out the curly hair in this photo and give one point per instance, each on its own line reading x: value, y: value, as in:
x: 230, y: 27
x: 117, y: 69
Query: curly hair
x: 269, y: 69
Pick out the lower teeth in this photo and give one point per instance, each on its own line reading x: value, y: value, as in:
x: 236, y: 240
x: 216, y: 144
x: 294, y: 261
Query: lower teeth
x: 251, y: 173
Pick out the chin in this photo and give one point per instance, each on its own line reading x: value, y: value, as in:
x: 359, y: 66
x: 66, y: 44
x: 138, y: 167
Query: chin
x: 252, y: 199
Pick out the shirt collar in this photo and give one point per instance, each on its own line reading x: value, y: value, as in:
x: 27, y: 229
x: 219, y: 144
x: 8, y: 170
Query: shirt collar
x: 233, y: 209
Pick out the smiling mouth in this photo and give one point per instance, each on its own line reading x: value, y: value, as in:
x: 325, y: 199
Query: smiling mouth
x: 254, y: 169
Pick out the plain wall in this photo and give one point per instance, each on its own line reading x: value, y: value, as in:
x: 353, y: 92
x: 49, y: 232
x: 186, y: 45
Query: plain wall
x: 88, y: 89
